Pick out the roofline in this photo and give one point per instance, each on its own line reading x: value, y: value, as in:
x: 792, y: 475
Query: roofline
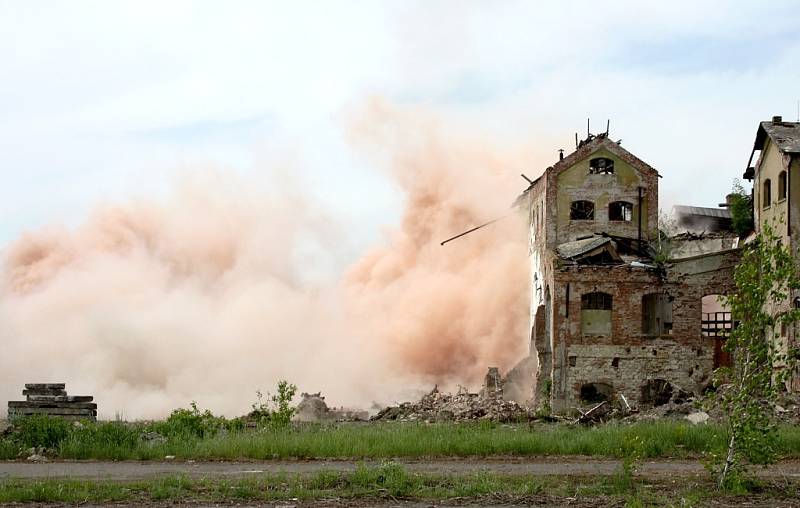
x: 706, y: 255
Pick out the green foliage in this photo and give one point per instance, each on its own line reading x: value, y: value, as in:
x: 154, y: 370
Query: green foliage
x: 278, y: 411
x: 667, y: 226
x: 41, y: 431
x: 389, y: 476
x: 9, y: 449
x: 101, y: 440
x: 741, y: 207
x: 192, y: 422
x: 544, y: 409
x: 765, y: 280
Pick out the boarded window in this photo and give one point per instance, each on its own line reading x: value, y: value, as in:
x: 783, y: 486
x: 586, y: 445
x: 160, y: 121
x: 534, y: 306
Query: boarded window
x: 766, y: 197
x: 782, y: 185
x: 656, y: 314
x: 601, y: 166
x: 596, y: 313
x: 581, y: 210
x: 620, y: 210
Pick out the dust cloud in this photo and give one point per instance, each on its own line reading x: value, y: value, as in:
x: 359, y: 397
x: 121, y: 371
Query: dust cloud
x: 202, y: 296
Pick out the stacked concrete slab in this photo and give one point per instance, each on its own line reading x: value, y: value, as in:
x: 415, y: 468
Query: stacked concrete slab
x: 51, y: 399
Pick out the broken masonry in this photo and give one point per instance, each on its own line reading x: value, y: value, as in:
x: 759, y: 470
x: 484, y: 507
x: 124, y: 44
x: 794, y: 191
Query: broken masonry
x: 616, y: 308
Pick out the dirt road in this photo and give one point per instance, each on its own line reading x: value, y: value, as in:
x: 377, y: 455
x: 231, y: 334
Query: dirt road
x: 544, y: 466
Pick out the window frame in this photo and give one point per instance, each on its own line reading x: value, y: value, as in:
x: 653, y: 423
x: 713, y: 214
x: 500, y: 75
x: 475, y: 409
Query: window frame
x: 782, y: 190
x: 573, y: 209
x: 596, y: 168
x: 766, y: 194
x: 623, y: 207
x: 597, y: 300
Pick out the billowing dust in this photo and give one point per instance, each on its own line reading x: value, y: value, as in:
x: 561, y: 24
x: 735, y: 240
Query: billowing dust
x: 202, y: 296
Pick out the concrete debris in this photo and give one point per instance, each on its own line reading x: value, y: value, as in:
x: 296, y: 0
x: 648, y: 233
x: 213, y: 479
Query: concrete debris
x: 152, y: 438
x: 51, y: 399
x: 492, y: 383
x: 312, y: 408
x: 36, y: 454
x: 698, y: 417
x: 461, y: 406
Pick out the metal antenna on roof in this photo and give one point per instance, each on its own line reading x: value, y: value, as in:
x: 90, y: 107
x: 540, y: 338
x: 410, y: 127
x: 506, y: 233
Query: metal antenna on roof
x: 588, y: 133
x: 576, y: 140
x: 608, y: 124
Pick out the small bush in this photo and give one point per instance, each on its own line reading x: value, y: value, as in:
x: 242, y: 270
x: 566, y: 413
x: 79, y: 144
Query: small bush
x: 191, y: 422
x: 107, y: 440
x: 278, y: 411
x: 8, y: 449
x: 41, y: 431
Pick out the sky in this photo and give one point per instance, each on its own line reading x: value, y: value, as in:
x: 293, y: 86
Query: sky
x: 104, y: 101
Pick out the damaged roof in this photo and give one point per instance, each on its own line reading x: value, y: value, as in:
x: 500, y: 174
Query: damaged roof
x: 719, y: 213
x: 785, y: 135
x: 587, y: 147
x: 700, y: 218
x: 594, y: 250
x: 570, y: 250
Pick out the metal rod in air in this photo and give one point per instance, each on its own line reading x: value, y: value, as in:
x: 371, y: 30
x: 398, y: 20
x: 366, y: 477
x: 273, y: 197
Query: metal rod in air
x: 474, y: 229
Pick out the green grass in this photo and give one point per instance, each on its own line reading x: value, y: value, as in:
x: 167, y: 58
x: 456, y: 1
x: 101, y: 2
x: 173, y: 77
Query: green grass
x: 119, y: 441
x: 388, y: 481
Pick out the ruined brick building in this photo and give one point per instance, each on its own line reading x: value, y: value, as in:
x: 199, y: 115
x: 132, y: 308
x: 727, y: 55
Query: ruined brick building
x: 606, y: 318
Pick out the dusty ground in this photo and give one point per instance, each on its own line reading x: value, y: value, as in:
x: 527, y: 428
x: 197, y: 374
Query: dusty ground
x: 543, y: 466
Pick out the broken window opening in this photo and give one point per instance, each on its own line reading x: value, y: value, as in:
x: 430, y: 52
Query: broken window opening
x: 656, y: 314
x: 596, y: 392
x: 596, y: 301
x: 601, y: 166
x: 620, y: 211
x: 596, y: 314
x: 581, y: 210
x: 656, y: 392
x: 766, y: 198
x: 782, y: 185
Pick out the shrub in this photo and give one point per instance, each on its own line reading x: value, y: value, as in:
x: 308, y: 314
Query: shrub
x: 41, y: 431
x: 190, y: 422
x: 278, y: 411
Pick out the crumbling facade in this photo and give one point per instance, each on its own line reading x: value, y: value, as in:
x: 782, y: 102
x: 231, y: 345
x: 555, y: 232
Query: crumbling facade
x: 608, y: 315
x: 776, y: 201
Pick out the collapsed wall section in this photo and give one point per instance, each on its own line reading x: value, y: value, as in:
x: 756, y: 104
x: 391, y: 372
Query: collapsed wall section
x: 624, y: 329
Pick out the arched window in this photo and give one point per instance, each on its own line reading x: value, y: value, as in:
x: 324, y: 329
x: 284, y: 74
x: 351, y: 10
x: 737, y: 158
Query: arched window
x: 596, y: 313
x: 601, y: 166
x: 596, y: 301
x: 620, y: 210
x: 766, y: 196
x: 581, y: 210
x: 782, y: 185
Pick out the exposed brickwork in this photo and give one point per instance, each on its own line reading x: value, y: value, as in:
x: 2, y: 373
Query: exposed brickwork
x: 626, y: 358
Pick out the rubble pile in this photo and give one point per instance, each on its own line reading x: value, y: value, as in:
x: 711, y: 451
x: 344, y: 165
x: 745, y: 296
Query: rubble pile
x: 461, y: 406
x: 51, y: 399
x: 312, y: 408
